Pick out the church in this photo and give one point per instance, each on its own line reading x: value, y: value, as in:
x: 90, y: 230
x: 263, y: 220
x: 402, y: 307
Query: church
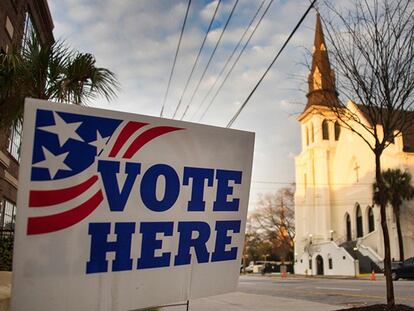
x: 338, y: 228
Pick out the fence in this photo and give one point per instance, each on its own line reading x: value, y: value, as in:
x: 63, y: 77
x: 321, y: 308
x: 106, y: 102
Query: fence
x: 6, y: 249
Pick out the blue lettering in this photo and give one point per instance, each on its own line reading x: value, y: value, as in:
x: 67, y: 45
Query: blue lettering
x: 117, y: 198
x: 222, y: 239
x: 223, y: 190
x: 100, y: 246
x: 149, y: 187
x: 186, y: 230
x: 150, y: 243
x: 199, y: 175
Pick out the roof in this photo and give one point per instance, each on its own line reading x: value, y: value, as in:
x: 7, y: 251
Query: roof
x: 375, y: 114
x: 321, y: 79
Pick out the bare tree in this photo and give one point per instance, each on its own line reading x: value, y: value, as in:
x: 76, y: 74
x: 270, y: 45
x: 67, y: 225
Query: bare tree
x: 372, y: 49
x: 274, y: 219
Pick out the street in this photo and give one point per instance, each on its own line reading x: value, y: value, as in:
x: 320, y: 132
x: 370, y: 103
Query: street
x: 272, y: 293
x: 340, y: 292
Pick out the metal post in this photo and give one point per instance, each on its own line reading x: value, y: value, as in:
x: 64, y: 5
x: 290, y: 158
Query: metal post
x: 188, y: 305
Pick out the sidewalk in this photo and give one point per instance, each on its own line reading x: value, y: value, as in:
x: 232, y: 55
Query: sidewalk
x: 365, y: 276
x: 5, y: 287
x: 250, y: 302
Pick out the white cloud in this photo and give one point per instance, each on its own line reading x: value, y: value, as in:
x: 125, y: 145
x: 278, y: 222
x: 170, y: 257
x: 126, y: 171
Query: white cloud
x: 138, y: 39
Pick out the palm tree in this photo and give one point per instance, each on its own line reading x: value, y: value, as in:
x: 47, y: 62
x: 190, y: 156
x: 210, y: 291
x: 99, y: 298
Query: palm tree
x: 398, y: 188
x: 52, y: 72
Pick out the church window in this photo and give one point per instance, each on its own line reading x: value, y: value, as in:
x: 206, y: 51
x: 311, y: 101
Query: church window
x: 311, y: 133
x: 305, y: 181
x: 310, y: 264
x: 330, y: 263
x: 348, y: 227
x: 360, y: 231
x: 337, y: 130
x: 371, y: 225
x: 325, y: 130
x: 307, y: 136
x: 317, y: 79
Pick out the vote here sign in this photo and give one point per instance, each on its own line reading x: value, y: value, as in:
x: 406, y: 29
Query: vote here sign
x: 119, y: 211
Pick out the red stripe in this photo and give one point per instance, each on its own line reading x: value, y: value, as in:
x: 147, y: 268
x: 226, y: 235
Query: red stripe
x: 147, y: 136
x: 126, y: 133
x: 41, y: 198
x: 51, y: 223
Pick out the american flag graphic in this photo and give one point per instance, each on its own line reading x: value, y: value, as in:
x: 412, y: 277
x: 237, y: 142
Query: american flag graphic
x: 63, y: 174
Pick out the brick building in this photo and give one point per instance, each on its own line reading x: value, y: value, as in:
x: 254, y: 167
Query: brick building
x: 17, y: 19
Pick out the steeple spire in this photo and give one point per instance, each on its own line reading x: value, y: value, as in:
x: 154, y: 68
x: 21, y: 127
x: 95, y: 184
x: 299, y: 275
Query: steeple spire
x: 321, y: 79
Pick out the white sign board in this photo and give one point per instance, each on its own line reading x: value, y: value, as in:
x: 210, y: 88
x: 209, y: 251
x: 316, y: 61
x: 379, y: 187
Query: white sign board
x: 120, y: 211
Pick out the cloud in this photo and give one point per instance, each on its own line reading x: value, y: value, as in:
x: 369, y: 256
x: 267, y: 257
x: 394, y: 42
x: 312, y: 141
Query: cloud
x: 138, y: 39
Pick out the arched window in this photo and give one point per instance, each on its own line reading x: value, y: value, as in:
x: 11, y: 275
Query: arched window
x: 337, y: 130
x: 348, y: 227
x: 312, y: 136
x: 371, y: 224
x: 325, y: 130
x: 360, y: 230
x: 307, y: 136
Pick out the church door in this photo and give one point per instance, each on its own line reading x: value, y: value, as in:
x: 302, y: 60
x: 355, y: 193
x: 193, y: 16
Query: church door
x: 319, y: 265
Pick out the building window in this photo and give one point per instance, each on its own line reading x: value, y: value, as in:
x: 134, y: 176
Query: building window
x: 305, y: 182
x: 9, y: 28
x: 15, y: 140
x: 330, y: 263
x: 312, y: 135
x: 29, y: 30
x: 348, y: 227
x: 7, y: 215
x: 337, y: 128
x: 310, y: 264
x: 360, y: 231
x: 371, y: 224
x: 325, y: 130
x: 307, y: 136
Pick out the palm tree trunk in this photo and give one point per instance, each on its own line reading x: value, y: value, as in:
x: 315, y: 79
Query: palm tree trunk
x: 385, y: 233
x: 400, y: 238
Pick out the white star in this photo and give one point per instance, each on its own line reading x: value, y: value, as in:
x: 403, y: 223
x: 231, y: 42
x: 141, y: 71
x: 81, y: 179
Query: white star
x: 63, y: 130
x: 100, y: 142
x: 53, y: 162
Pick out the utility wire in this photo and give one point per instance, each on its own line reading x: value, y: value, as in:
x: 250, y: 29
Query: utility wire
x: 229, y: 58
x: 197, y: 58
x: 175, y: 59
x: 270, y: 66
x: 211, y: 57
x: 236, y: 60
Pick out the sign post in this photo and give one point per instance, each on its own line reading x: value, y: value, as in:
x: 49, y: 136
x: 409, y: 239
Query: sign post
x: 119, y: 211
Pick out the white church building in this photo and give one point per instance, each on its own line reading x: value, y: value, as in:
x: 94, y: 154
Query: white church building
x: 337, y: 227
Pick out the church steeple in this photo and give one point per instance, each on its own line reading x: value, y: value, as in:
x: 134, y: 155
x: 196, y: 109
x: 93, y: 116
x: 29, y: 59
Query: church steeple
x: 321, y: 79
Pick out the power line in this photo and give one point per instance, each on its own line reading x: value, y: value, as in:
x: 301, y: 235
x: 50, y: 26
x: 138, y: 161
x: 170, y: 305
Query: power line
x: 175, y: 58
x: 270, y: 66
x: 209, y: 61
x: 230, y: 57
x: 197, y: 58
x: 236, y: 61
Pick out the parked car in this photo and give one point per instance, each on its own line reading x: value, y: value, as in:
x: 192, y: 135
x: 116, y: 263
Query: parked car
x: 249, y: 268
x: 404, y: 270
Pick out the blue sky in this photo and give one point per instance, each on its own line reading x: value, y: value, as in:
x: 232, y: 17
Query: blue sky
x: 137, y: 40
